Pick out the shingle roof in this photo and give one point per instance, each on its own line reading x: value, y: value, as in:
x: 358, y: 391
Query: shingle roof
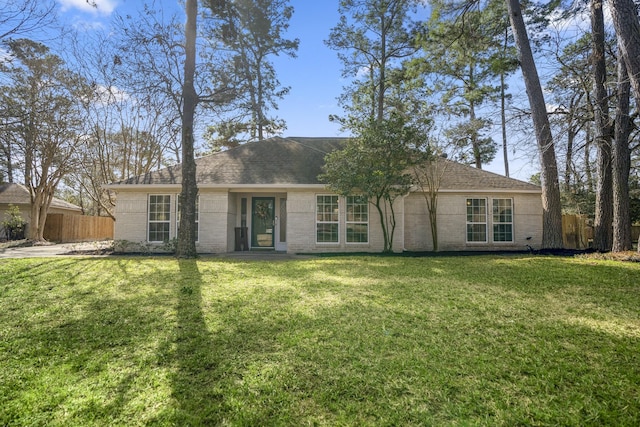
x: 18, y: 194
x: 299, y: 161
x: 456, y: 176
x: 272, y: 161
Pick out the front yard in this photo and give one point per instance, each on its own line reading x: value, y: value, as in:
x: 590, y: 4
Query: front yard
x: 477, y: 340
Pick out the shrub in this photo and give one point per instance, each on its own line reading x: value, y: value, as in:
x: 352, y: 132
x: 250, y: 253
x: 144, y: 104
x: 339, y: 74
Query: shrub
x: 14, y: 225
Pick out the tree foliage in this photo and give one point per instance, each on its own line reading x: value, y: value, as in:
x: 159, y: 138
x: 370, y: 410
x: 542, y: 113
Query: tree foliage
x: 252, y: 32
x: 372, y: 38
x: 377, y: 164
x: 44, y: 103
x: 463, y: 57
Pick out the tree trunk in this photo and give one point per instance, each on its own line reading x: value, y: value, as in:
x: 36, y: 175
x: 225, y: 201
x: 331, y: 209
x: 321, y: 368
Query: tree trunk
x: 186, y: 247
x: 40, y: 201
x: 383, y: 66
x: 503, y: 123
x: 587, y: 159
x: 571, y: 136
x: 34, y: 220
x: 621, y: 165
x: 552, y: 210
x: 624, y: 14
x: 603, y: 233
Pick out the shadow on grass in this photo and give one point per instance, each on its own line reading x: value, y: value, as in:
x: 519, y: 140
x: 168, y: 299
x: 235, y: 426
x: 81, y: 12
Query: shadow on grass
x: 379, y: 341
x: 196, y: 357
x: 70, y: 343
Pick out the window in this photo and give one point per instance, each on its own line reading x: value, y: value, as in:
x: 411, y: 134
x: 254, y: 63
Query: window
x: 476, y: 220
x: 197, y: 215
x: 502, y: 220
x: 357, y: 219
x: 327, y: 217
x: 159, y: 217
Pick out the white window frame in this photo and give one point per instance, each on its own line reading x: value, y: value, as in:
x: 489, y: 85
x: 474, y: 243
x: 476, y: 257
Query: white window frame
x: 197, y: 216
x: 350, y: 201
x: 496, y: 214
x: 472, y: 223
x: 321, y: 220
x: 157, y: 221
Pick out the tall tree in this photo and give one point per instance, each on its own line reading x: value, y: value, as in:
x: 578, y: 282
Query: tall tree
x: 464, y: 52
x: 625, y: 19
x: 45, y: 99
x: 551, y: 205
x: 145, y: 65
x: 571, y: 89
x: 17, y: 18
x: 126, y: 133
x: 621, y: 155
x: 150, y: 54
x: 602, y: 238
x: 371, y: 37
x: 624, y: 14
x: 253, y: 30
x: 186, y: 247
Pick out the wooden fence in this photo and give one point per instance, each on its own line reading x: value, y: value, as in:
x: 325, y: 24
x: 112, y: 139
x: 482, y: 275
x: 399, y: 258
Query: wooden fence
x: 576, y: 233
x: 635, y: 233
x: 77, y: 228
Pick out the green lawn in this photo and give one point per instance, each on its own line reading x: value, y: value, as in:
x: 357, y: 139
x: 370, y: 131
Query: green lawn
x: 476, y: 340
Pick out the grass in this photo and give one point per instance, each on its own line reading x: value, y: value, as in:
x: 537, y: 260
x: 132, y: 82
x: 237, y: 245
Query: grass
x: 482, y: 340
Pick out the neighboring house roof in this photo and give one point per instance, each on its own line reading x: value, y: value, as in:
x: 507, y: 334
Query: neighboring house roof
x: 299, y: 161
x: 17, y: 194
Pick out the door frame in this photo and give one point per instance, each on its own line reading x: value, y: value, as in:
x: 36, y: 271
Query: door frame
x: 279, y: 244
x: 254, y: 243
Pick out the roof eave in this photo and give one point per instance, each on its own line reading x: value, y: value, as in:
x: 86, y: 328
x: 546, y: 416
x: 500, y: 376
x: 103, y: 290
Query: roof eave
x: 229, y: 187
x: 485, y: 190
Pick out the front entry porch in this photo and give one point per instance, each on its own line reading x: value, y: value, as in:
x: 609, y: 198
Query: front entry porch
x: 262, y: 223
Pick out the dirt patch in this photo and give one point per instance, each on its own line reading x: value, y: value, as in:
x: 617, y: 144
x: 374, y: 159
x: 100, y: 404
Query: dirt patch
x: 629, y: 256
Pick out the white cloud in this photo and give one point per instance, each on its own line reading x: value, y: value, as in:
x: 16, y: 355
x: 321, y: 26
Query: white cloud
x: 96, y: 7
x: 110, y: 95
x: 85, y: 26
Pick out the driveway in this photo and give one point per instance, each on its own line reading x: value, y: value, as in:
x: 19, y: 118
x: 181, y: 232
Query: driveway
x: 51, y: 250
x: 103, y: 249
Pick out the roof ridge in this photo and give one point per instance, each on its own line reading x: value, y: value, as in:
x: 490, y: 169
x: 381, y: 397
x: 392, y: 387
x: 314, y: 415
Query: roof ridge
x: 311, y: 147
x: 496, y: 174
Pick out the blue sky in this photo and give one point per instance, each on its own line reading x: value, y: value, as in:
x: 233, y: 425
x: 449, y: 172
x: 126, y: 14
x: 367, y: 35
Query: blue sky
x: 314, y: 76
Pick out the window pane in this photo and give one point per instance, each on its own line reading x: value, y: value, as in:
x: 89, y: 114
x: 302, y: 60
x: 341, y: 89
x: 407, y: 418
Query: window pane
x: 327, y: 216
x: 476, y: 233
x: 502, y: 220
x: 357, y: 219
x: 502, y: 233
x: 327, y: 208
x: 476, y: 210
x: 357, y: 233
x: 327, y: 233
x: 159, y: 232
x: 476, y: 220
x: 159, y: 217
